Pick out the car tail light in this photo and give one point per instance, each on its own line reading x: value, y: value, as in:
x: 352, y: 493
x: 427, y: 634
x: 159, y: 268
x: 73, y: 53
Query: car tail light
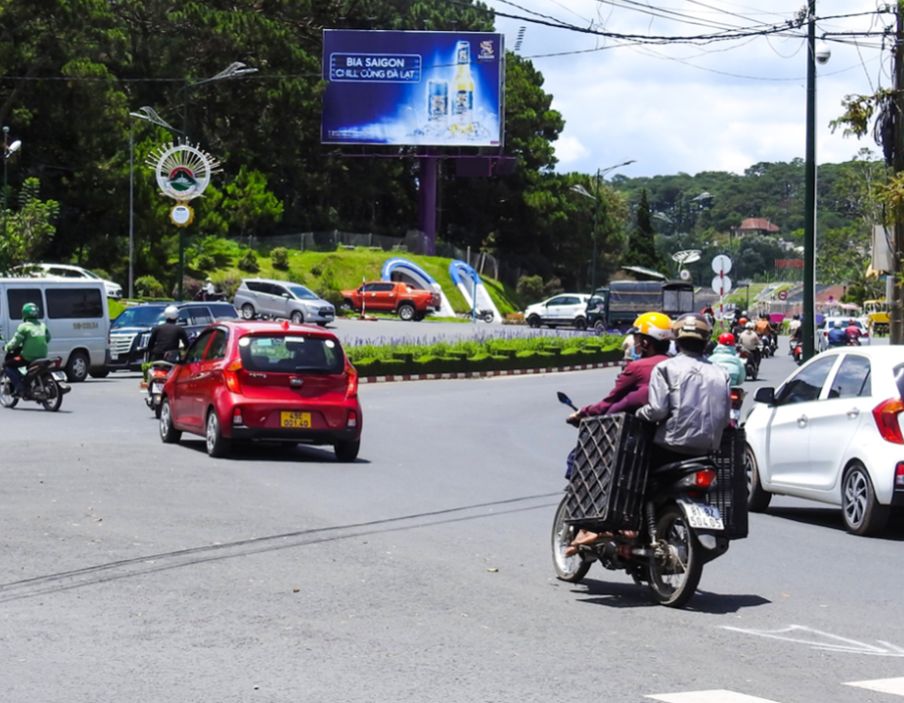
x: 704, y: 478
x: 231, y: 376
x: 886, y: 416
x: 899, y: 475
x: 352, y: 420
x: 351, y: 390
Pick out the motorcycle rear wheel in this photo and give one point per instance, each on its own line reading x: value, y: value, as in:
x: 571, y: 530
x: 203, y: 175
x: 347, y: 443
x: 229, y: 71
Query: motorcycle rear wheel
x: 7, y: 398
x: 675, y: 574
x: 53, y: 399
x: 571, y: 569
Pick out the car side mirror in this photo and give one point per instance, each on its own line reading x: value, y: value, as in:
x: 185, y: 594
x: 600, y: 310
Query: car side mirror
x: 765, y: 394
x: 286, y: 296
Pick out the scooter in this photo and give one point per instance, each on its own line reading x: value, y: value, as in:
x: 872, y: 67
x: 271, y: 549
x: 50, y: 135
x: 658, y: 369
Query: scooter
x: 737, y: 401
x: 44, y: 382
x: 676, y: 534
x: 797, y: 351
x: 157, y: 374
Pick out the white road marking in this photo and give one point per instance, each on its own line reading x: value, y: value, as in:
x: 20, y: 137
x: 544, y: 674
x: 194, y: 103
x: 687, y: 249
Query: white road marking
x: 830, y: 643
x: 893, y: 686
x: 716, y: 696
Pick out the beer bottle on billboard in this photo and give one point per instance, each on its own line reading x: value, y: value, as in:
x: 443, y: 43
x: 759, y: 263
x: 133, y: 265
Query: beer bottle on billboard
x: 463, y: 86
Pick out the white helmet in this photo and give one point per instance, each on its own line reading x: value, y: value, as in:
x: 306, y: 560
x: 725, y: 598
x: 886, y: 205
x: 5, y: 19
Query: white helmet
x: 171, y: 312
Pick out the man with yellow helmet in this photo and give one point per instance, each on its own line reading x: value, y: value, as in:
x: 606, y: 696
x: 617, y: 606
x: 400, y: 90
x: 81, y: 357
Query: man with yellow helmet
x: 651, y: 342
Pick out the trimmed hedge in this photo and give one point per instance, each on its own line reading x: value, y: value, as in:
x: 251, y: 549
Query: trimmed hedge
x: 482, y: 362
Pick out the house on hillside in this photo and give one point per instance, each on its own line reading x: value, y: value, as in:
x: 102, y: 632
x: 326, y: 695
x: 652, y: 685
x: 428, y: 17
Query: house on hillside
x: 755, y: 225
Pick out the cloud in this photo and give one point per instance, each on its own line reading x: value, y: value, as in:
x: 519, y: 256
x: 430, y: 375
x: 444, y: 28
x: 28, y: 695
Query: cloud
x: 682, y: 108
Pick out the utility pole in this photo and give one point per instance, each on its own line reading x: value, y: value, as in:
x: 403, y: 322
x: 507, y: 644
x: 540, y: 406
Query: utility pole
x: 897, y: 301
x: 808, y: 321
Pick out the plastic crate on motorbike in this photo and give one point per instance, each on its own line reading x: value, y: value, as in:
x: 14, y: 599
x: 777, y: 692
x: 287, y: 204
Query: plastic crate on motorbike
x: 611, y: 463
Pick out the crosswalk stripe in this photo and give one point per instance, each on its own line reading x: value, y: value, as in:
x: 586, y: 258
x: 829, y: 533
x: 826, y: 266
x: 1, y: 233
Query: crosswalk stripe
x: 893, y: 686
x: 718, y: 696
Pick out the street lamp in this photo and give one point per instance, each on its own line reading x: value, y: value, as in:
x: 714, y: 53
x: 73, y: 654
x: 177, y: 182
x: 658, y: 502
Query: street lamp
x: 148, y: 114
x: 236, y: 69
x: 8, y: 150
x: 581, y: 190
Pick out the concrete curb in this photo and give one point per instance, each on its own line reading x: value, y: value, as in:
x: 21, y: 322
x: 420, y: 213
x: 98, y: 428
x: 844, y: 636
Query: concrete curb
x: 392, y: 378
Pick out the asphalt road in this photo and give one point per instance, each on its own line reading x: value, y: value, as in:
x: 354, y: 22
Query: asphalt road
x: 136, y: 571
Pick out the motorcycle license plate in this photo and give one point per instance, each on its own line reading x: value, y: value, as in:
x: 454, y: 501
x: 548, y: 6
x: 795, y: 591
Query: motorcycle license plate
x: 157, y: 387
x: 58, y: 375
x: 702, y: 516
x: 294, y: 420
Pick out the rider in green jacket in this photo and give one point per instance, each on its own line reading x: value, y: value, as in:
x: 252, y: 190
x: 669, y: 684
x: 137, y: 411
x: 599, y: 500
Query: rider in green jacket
x: 29, y: 343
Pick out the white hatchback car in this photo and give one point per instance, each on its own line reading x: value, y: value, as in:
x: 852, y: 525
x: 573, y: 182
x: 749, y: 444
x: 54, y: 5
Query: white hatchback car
x: 68, y: 272
x: 562, y: 309
x: 832, y: 432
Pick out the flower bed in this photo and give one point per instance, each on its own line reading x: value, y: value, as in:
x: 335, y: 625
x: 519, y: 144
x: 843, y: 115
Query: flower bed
x: 488, y: 354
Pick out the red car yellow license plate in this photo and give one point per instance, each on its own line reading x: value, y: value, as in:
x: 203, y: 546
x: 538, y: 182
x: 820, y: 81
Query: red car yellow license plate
x: 292, y: 419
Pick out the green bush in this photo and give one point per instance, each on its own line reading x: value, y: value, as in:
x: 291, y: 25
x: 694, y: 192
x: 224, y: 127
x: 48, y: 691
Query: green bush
x: 248, y: 262
x: 205, y: 263
x: 279, y: 257
x: 148, y: 287
x: 529, y: 289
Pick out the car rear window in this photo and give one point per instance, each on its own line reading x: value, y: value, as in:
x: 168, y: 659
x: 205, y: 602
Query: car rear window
x: 290, y: 353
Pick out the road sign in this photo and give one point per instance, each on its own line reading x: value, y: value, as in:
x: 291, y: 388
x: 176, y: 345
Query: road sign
x: 721, y: 264
x: 721, y: 285
x: 783, y: 295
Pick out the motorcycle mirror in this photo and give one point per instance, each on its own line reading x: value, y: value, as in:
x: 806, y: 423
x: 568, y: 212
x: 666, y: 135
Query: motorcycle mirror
x: 565, y: 400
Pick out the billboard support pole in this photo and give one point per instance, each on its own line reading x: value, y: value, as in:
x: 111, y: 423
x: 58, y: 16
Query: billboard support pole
x: 427, y: 200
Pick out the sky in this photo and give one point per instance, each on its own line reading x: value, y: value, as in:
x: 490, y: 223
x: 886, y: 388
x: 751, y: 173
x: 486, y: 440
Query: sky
x: 680, y: 107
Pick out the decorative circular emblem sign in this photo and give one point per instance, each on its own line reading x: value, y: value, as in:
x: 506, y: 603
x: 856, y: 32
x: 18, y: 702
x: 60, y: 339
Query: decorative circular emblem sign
x: 182, y: 215
x: 182, y: 171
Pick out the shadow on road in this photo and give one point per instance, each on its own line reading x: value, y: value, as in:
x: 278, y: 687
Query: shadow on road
x: 831, y: 518
x: 629, y: 595
x: 274, y: 451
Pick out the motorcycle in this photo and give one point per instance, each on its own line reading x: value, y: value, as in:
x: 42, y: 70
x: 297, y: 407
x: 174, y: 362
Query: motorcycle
x: 157, y: 374
x: 737, y: 401
x: 485, y: 315
x: 44, y: 382
x: 751, y: 363
x: 767, y: 344
x: 678, y: 533
x: 797, y: 351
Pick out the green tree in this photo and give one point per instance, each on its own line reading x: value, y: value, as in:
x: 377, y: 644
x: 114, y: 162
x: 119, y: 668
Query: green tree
x: 641, y: 249
x: 28, y: 230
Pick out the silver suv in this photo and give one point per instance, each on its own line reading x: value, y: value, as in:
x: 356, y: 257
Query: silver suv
x: 263, y: 297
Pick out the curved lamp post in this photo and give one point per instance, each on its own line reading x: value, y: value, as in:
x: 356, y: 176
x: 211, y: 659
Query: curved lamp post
x: 581, y: 190
x: 148, y: 114
x: 236, y: 69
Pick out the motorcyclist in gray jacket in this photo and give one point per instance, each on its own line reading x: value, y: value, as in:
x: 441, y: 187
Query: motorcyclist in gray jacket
x: 689, y: 397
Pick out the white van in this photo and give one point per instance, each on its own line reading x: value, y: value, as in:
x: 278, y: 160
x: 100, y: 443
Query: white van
x: 76, y: 314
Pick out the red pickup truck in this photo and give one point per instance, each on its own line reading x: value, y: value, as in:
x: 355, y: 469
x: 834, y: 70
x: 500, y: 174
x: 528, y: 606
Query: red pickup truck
x: 392, y: 296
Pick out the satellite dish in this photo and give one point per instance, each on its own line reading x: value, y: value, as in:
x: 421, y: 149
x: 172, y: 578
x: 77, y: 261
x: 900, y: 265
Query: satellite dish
x: 686, y: 256
x: 684, y: 275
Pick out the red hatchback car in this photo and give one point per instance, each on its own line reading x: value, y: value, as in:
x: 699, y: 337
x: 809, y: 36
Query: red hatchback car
x: 264, y: 381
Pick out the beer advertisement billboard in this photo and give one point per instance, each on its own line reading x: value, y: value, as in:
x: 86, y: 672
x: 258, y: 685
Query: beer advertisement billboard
x: 413, y: 88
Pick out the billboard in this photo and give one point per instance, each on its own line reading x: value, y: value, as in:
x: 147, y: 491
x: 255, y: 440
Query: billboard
x: 412, y: 88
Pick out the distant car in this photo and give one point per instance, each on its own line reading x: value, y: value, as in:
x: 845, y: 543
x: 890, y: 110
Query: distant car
x: 292, y: 301
x: 264, y: 381
x: 832, y: 432
x: 131, y: 331
x: 564, y: 309
x: 407, y: 302
x: 822, y: 331
x: 68, y: 271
